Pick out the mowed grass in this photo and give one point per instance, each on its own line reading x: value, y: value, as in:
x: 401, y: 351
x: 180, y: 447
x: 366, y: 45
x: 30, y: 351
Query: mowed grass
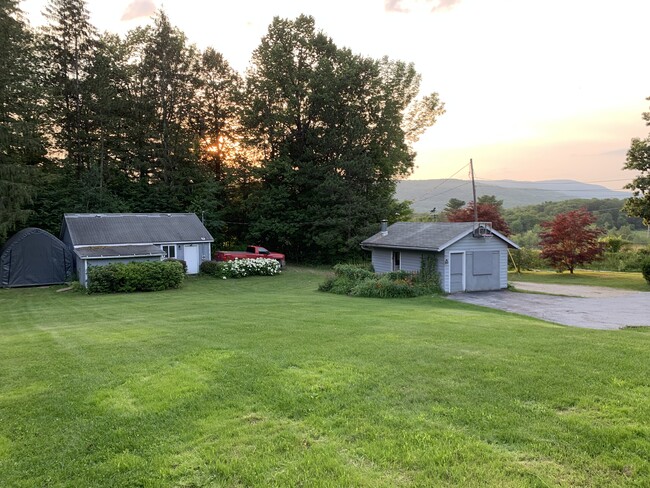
x: 267, y: 382
x: 613, y: 279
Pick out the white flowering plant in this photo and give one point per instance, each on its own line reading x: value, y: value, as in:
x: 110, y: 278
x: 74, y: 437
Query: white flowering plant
x: 240, y: 268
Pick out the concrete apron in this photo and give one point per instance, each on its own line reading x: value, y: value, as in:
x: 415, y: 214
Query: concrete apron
x: 585, y: 306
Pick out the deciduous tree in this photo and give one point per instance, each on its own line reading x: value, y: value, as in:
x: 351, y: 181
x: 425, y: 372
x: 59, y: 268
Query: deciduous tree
x: 487, y: 212
x: 454, y: 204
x: 638, y: 159
x: 335, y: 129
x: 570, y: 239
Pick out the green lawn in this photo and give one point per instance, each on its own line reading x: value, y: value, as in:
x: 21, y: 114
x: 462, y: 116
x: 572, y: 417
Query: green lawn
x: 613, y: 279
x: 267, y: 382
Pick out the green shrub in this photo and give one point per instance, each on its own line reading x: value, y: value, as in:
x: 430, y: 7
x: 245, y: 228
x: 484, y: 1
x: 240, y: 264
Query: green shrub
x: 210, y: 268
x: 353, y: 272
x: 361, y: 282
x: 384, y: 287
x: 526, y: 259
x: 343, y: 285
x: 135, y: 276
x: 645, y: 270
x: 428, y: 280
x: 328, y: 284
x: 621, y: 261
x: 184, y: 263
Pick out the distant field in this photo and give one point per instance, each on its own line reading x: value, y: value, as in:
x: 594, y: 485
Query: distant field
x: 629, y: 281
x: 267, y: 382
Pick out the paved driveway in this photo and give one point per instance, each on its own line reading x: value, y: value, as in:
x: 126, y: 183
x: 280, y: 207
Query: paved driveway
x: 586, y: 306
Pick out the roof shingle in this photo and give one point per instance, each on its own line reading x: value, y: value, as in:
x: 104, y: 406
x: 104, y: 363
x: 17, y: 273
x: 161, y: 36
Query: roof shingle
x: 424, y: 236
x: 107, y: 229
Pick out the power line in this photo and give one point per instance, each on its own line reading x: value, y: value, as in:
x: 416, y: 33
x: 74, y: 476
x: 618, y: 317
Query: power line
x: 425, y: 197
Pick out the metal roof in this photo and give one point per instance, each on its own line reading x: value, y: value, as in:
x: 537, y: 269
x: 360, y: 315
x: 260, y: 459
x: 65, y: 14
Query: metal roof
x: 112, y: 229
x: 98, y: 252
x: 425, y: 236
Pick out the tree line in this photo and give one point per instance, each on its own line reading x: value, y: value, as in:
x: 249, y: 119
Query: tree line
x: 300, y: 153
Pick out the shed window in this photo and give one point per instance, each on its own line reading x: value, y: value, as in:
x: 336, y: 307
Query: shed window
x: 170, y: 251
x: 397, y: 260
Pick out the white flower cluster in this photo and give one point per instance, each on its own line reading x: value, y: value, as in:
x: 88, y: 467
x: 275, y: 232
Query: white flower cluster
x: 239, y: 268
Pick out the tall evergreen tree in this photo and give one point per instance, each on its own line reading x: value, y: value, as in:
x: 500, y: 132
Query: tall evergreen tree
x: 21, y: 142
x: 214, y: 120
x: 69, y: 41
x: 164, y: 143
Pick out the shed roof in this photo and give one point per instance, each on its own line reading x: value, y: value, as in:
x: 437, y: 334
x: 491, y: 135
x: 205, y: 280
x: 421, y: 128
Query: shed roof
x: 425, y: 236
x: 134, y: 228
x: 99, y: 252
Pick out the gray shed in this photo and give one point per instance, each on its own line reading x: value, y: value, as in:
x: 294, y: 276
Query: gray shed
x: 101, y: 239
x: 34, y: 257
x: 469, y: 256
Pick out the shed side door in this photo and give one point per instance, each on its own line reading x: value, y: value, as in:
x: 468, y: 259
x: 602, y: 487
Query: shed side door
x: 456, y: 272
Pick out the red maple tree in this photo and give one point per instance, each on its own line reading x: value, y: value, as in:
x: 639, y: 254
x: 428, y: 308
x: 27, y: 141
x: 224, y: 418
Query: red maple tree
x: 570, y: 239
x: 487, y: 212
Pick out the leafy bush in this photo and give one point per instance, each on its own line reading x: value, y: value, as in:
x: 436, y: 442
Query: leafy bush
x: 360, y: 282
x: 622, y: 261
x: 135, y: 276
x: 339, y: 285
x: 210, y: 268
x: 184, y: 263
x: 240, y: 268
x: 645, y: 270
x: 384, y: 287
x: 526, y: 259
x: 352, y: 272
x: 429, y: 280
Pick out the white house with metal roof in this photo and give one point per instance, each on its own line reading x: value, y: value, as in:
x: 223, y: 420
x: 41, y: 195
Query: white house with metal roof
x: 469, y: 256
x: 101, y: 239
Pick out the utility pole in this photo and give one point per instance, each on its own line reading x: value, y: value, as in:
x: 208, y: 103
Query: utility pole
x: 471, y: 172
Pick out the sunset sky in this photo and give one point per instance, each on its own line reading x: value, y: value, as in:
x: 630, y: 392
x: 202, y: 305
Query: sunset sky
x: 534, y: 89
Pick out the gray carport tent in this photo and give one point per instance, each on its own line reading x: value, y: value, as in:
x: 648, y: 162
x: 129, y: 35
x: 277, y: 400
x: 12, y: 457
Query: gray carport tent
x: 34, y: 257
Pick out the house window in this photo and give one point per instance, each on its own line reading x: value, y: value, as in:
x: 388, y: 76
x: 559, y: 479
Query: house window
x: 397, y: 260
x: 170, y: 251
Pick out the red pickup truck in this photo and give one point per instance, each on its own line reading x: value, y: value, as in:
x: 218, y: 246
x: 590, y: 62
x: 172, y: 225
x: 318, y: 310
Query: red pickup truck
x: 251, y: 252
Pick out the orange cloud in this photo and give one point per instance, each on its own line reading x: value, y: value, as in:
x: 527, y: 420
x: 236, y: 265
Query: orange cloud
x: 137, y: 9
x: 405, y: 6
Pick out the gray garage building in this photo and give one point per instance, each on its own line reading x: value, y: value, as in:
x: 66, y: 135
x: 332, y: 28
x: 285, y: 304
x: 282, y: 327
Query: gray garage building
x: 101, y: 239
x: 469, y: 256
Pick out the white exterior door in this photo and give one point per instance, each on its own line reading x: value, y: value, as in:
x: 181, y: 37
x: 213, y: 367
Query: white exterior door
x: 191, y: 257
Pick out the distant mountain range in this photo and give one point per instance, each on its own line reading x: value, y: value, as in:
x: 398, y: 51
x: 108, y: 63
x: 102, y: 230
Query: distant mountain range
x: 429, y: 194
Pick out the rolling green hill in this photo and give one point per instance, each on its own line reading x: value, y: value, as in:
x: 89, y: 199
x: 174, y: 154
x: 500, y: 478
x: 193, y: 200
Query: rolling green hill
x: 429, y: 194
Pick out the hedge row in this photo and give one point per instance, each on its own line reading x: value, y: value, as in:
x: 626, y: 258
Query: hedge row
x: 135, y: 276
